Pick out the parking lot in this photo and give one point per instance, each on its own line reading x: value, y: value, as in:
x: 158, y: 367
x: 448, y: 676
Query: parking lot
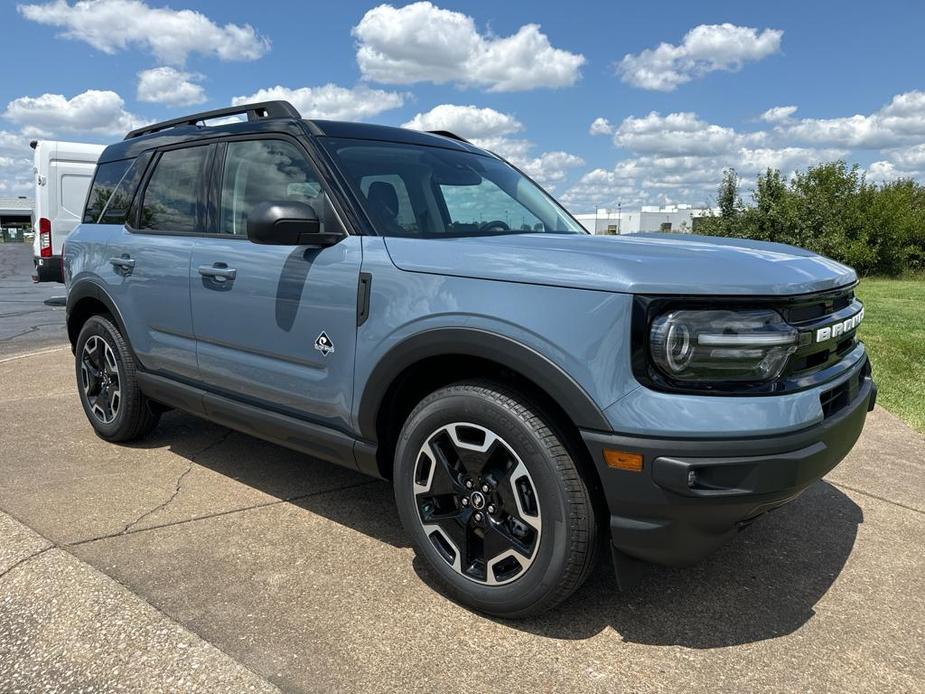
x: 27, y: 322
x: 201, y: 558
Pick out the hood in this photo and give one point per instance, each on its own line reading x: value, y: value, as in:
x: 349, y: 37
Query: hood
x: 637, y: 263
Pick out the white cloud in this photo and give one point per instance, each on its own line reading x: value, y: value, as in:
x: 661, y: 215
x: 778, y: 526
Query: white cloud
x: 679, y: 134
x: 602, y: 188
x: 601, y: 126
x: 330, y: 101
x: 883, y: 172
x: 421, y: 42
x: 908, y: 158
x: 785, y: 159
x: 11, y: 142
x: 91, y: 112
x: 900, y: 122
x: 778, y: 114
x: 15, y: 164
x: 680, y: 157
x: 513, y: 149
x: 166, y: 85
x: 647, y: 178
x: 705, y: 48
x: 466, y: 121
x: 171, y: 35
x: 550, y: 167
x: 490, y: 129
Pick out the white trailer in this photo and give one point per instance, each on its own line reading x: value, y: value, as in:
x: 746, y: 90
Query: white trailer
x: 63, y: 172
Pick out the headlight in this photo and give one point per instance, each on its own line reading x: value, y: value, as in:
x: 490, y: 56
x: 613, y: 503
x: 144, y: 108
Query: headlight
x: 710, y: 346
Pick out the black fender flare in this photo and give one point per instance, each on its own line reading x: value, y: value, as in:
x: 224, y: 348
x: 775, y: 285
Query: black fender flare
x: 473, y: 342
x: 84, y: 289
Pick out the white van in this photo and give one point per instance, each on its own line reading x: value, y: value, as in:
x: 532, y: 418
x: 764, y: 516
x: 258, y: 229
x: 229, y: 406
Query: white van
x: 63, y: 173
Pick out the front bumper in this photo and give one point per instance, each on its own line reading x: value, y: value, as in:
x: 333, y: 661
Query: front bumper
x: 49, y: 269
x: 694, y: 494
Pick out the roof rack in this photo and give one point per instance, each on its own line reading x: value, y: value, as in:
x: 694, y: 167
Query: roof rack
x: 452, y: 136
x: 258, y: 111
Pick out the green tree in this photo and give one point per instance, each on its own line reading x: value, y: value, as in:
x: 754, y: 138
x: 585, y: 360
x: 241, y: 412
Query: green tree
x: 728, y: 195
x: 830, y: 209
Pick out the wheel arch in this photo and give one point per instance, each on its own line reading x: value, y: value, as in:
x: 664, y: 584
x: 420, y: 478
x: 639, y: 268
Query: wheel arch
x: 86, y: 299
x: 435, y: 358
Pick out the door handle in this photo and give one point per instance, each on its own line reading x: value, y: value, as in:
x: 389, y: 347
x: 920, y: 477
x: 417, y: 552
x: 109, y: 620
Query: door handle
x: 219, y: 272
x: 125, y: 262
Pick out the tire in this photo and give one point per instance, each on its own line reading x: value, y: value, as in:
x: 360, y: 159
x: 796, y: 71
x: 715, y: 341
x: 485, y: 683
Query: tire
x: 526, y: 544
x: 106, y: 381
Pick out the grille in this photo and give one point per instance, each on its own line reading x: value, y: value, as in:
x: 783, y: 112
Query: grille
x: 837, y: 398
x: 812, y: 313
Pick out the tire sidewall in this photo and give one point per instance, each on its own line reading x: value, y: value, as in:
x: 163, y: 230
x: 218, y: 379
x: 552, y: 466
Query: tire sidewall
x: 550, y: 562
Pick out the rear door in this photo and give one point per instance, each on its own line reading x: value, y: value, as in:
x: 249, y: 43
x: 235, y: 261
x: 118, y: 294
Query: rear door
x: 152, y: 259
x: 275, y: 325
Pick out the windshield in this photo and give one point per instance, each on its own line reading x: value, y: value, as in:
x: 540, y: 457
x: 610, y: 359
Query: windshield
x: 431, y: 192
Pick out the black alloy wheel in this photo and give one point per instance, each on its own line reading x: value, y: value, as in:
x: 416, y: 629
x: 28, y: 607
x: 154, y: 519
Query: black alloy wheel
x: 493, y: 501
x: 99, y: 377
x: 108, y: 385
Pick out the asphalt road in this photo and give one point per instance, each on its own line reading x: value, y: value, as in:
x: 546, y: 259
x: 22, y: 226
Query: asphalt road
x: 26, y: 321
x: 209, y: 558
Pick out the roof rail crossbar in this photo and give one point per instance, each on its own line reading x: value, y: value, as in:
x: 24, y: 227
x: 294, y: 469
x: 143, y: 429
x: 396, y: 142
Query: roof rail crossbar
x: 452, y: 136
x: 257, y: 111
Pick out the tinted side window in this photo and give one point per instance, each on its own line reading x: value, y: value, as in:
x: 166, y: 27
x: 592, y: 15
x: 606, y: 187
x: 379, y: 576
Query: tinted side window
x: 381, y: 200
x: 171, y: 198
x: 259, y: 171
x: 107, y: 177
x: 469, y: 207
x: 117, y: 209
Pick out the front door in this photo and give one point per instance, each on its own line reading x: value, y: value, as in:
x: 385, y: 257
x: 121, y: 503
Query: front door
x: 275, y: 325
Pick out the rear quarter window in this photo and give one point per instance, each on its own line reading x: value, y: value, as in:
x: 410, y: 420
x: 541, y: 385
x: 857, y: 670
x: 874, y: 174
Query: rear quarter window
x: 117, y: 210
x: 113, y: 190
x: 108, y: 177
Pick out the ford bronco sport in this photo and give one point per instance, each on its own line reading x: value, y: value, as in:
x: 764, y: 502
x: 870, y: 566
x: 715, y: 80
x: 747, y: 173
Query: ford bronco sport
x: 410, y: 306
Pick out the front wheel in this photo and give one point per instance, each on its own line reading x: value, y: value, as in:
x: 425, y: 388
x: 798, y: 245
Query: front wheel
x: 493, y: 501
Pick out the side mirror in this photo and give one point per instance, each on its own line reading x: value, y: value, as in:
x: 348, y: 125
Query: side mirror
x: 287, y: 224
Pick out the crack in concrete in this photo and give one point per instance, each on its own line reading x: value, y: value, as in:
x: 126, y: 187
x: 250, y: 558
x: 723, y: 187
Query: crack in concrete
x: 179, y: 483
x: 31, y: 329
x: 16, y: 314
x: 26, y: 560
x: 876, y: 496
x: 232, y: 511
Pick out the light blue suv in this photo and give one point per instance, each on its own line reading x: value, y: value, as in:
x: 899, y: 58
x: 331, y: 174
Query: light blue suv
x: 413, y: 307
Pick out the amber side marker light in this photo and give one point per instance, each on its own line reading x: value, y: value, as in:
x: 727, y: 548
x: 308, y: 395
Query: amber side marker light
x: 621, y: 460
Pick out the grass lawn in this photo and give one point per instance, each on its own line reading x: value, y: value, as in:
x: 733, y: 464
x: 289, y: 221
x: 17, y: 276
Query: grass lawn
x: 894, y: 332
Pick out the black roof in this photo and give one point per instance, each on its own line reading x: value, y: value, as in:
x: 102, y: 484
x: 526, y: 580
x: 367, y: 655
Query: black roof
x: 370, y: 131
x: 181, y: 130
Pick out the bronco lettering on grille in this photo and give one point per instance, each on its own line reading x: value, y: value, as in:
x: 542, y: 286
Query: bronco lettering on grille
x: 840, y: 328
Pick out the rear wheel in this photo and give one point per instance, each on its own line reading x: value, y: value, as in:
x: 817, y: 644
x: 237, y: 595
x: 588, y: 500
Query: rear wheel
x: 107, y: 385
x: 493, y: 501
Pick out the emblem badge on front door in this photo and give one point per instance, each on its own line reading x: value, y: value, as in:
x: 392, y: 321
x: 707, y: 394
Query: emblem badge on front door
x: 323, y: 344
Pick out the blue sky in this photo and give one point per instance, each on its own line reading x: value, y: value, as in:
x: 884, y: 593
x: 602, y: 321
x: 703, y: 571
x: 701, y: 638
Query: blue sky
x: 527, y: 79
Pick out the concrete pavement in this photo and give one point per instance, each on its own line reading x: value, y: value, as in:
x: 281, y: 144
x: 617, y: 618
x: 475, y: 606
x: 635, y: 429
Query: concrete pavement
x: 299, y: 570
x: 66, y: 627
